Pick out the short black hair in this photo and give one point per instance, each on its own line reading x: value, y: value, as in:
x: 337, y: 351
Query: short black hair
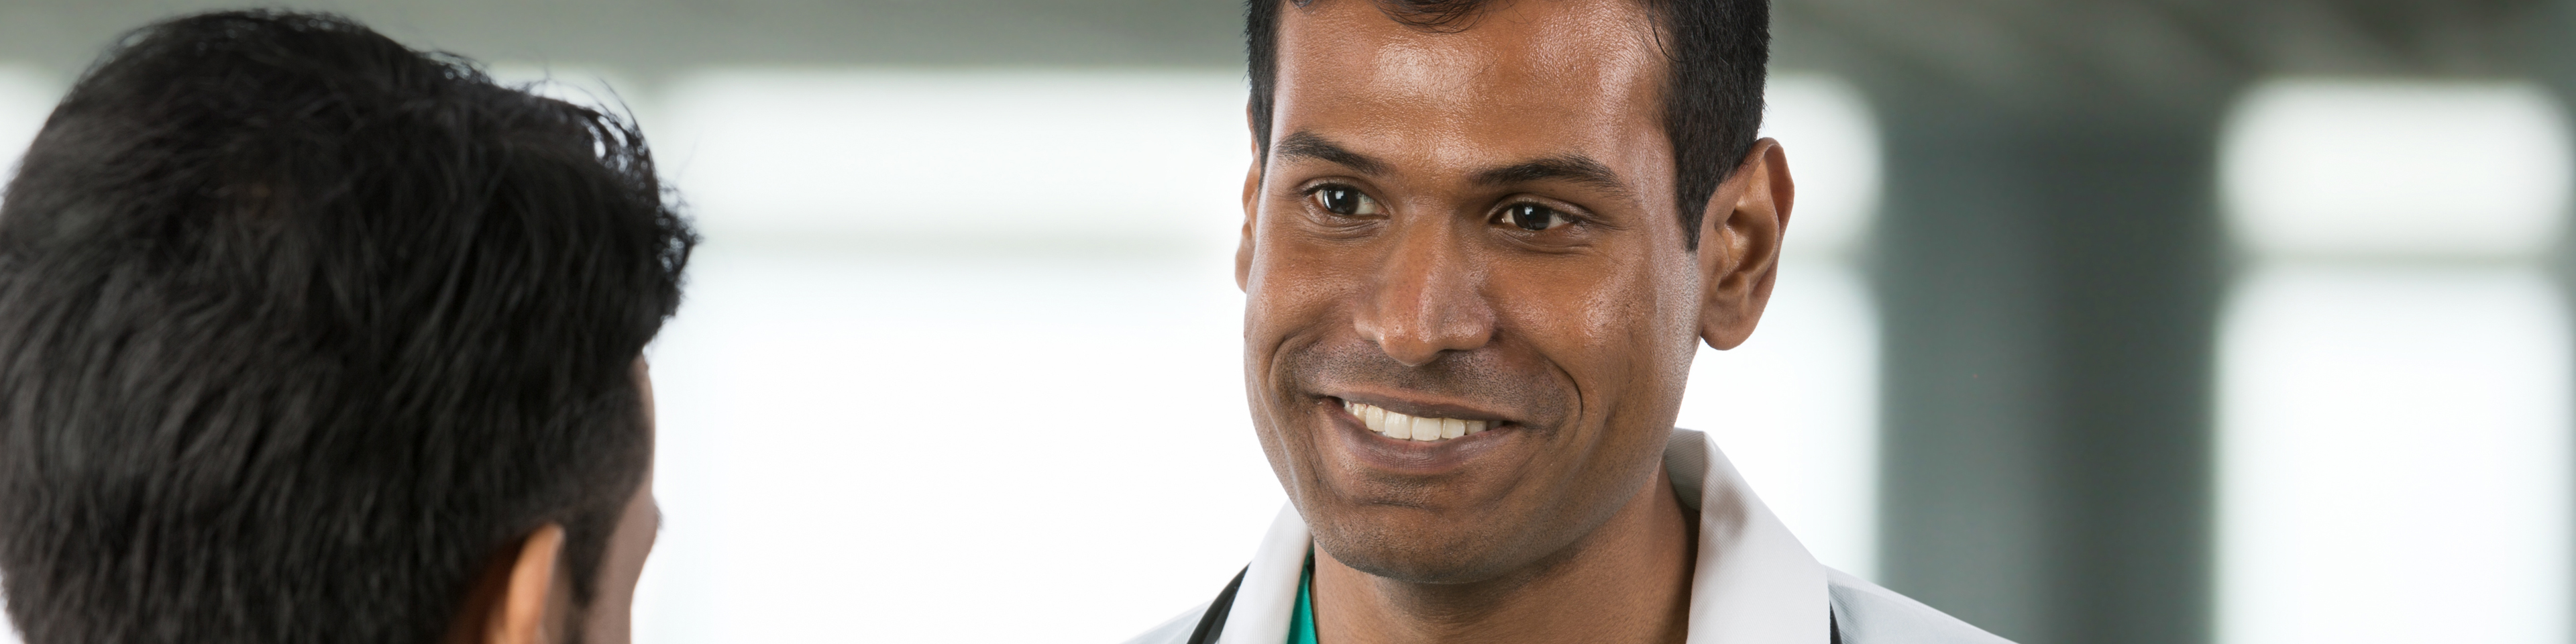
x: 300, y: 328
x: 1718, y: 51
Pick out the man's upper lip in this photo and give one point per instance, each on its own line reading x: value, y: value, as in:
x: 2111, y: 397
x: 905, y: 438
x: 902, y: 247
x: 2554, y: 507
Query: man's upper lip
x: 1420, y: 406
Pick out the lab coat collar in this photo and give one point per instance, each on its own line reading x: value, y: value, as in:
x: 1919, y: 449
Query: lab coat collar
x: 1753, y: 582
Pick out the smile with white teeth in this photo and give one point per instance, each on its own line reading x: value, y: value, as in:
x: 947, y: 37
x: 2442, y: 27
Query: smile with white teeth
x: 1401, y: 427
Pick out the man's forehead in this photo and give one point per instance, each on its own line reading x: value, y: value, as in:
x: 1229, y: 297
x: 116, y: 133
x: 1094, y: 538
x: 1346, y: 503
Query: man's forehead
x: 1606, y: 44
x: 1518, y: 81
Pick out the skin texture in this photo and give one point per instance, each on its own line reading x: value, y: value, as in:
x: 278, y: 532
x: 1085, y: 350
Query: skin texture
x: 524, y: 596
x: 610, y: 618
x: 1432, y: 300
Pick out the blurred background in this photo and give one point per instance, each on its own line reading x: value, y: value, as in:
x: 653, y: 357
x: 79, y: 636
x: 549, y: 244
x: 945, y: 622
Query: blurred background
x: 2119, y: 321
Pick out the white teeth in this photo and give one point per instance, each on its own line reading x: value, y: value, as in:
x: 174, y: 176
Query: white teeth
x: 1403, y: 427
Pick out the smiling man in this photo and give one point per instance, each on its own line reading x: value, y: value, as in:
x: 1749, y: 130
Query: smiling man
x: 1482, y: 242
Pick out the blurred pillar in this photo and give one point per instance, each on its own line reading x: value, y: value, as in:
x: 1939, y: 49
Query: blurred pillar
x: 2050, y: 264
x: 2050, y: 268
x: 2555, y: 66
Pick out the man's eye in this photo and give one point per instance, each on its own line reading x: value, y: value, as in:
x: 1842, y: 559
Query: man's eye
x: 1530, y: 216
x: 1345, y: 201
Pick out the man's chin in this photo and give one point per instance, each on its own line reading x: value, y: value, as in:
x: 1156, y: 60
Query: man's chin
x: 1449, y: 558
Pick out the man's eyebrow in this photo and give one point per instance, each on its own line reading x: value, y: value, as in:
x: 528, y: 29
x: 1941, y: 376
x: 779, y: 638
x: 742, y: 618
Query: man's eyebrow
x: 1568, y: 167
x: 1309, y: 145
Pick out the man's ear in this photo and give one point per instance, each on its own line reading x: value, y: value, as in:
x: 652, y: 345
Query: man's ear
x: 1251, y: 204
x: 1739, y: 245
x: 530, y: 598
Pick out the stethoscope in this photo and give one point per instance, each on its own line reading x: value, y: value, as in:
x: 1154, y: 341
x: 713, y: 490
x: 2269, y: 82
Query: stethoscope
x: 1212, y: 623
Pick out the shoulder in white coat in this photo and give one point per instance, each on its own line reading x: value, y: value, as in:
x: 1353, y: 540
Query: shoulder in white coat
x: 1868, y: 614
x: 1864, y: 613
x: 1753, y: 583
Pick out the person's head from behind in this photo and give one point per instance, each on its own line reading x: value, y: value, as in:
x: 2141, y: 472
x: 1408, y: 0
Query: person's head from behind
x: 306, y: 336
x: 1483, y: 241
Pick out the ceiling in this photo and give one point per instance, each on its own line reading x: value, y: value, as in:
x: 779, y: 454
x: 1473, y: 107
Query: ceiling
x: 2006, y: 45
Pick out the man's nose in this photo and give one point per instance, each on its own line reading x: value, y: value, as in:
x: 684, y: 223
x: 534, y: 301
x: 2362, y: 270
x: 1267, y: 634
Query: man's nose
x: 1426, y: 299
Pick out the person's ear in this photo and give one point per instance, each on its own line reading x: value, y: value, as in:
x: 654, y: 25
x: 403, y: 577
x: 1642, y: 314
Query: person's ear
x: 522, y: 612
x: 1739, y: 245
x: 1251, y: 204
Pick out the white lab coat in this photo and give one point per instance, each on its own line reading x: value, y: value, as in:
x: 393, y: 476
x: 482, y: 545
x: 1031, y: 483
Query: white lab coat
x: 1754, y: 583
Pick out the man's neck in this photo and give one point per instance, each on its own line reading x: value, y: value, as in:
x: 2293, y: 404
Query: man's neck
x: 1626, y: 583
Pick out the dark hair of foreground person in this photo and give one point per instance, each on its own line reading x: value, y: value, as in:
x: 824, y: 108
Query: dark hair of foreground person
x: 299, y: 328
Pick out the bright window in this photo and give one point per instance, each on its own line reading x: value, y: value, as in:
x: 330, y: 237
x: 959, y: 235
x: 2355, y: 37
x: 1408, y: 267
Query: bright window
x: 2394, y: 367
x: 958, y: 340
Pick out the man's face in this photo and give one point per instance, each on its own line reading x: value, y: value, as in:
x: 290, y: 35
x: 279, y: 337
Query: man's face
x: 1474, y: 225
